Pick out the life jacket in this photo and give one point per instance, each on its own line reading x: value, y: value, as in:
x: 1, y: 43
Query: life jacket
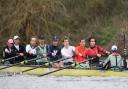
x: 45, y: 49
x: 113, y: 60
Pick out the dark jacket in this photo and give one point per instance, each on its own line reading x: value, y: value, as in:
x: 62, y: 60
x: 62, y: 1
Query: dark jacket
x: 21, y: 50
x: 8, y: 53
x: 53, y: 49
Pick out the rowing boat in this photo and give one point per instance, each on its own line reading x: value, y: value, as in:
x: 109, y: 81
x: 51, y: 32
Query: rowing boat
x: 65, y: 72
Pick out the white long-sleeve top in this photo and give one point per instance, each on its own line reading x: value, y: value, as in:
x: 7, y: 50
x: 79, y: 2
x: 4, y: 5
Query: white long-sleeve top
x: 68, y: 52
x: 30, y: 49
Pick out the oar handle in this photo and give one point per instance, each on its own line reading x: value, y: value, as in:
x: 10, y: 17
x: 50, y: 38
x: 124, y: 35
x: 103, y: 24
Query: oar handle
x: 4, y: 60
x: 18, y: 63
x: 26, y: 61
x: 62, y: 59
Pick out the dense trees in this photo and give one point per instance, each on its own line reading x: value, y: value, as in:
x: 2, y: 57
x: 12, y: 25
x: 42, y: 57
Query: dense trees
x: 75, y: 18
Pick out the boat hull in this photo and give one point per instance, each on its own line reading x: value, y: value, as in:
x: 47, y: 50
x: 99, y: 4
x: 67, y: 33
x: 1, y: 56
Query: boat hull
x: 64, y: 72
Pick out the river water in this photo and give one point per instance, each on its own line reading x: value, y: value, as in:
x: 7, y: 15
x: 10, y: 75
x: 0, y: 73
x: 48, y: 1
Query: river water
x: 63, y: 82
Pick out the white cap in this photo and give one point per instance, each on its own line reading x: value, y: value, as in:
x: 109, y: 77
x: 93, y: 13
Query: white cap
x: 114, y: 48
x: 16, y: 37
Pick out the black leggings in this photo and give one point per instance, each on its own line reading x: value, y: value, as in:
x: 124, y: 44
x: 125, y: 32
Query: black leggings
x: 94, y: 62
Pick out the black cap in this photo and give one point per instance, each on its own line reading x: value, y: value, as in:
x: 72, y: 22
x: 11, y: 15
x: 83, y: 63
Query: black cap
x: 41, y: 37
x: 55, y: 38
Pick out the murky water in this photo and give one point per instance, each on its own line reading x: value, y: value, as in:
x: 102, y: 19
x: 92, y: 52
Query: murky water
x: 64, y: 82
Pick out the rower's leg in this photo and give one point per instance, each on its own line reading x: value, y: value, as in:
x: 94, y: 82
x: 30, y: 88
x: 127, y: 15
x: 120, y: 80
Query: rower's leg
x: 55, y: 65
x: 61, y: 64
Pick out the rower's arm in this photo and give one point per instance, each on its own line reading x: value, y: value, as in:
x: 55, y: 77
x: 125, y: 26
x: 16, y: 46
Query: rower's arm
x: 106, y: 60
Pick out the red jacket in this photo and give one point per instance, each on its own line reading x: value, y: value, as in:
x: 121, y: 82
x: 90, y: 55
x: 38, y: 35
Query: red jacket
x: 92, y: 52
x: 82, y: 51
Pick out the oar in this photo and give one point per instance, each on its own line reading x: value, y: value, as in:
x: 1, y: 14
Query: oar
x: 57, y: 70
x: 19, y: 63
x: 4, y: 60
x: 125, y: 51
x: 52, y: 71
x: 40, y: 66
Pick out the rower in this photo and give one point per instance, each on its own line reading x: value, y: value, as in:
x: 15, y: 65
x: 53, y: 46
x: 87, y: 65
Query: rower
x: 95, y: 52
x: 19, y: 49
x: 31, y: 49
x: 114, y: 60
x: 67, y: 52
x: 55, y: 52
x: 9, y: 51
x: 81, y: 54
x: 42, y: 50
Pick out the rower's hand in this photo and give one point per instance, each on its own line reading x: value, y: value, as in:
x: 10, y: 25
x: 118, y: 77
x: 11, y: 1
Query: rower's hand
x: 21, y: 54
x: 30, y: 52
x: 69, y: 56
x: 107, y: 52
x: 44, y: 55
x: 98, y: 55
x: 53, y: 54
x: 80, y: 54
x: 6, y: 50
